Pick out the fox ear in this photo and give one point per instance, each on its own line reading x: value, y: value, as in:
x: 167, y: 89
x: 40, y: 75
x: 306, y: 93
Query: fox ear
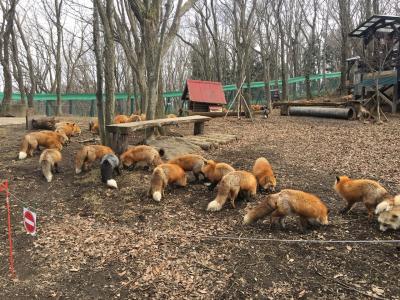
x: 337, y: 179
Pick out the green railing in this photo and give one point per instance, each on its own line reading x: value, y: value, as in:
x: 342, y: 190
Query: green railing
x: 85, y: 104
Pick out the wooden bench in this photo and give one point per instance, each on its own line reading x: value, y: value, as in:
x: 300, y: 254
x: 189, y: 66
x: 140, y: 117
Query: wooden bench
x: 120, y: 132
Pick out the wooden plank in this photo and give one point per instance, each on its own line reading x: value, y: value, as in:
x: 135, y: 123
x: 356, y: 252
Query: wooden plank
x: 125, y: 128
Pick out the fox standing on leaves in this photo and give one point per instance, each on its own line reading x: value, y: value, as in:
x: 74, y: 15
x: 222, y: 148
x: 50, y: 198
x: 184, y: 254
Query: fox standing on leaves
x: 370, y: 192
x: 108, y: 165
x: 310, y: 209
x: 163, y: 175
x: 230, y: 186
x: 262, y: 170
x: 88, y: 154
x: 190, y: 162
x: 47, y: 139
x: 143, y: 153
x: 48, y: 161
x: 214, y: 172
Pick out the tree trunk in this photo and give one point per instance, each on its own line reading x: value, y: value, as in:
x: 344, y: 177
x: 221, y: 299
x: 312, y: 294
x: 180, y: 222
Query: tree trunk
x: 283, y: 61
x: 106, y: 15
x: 18, y: 74
x: 5, y: 58
x: 58, y: 6
x: 99, y: 73
x: 344, y: 17
x: 32, y: 76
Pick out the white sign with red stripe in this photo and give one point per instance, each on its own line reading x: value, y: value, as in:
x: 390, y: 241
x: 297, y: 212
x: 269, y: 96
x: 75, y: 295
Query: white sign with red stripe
x: 29, y: 221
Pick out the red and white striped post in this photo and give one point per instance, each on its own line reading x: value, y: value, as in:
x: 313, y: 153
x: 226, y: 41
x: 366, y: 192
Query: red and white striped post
x: 4, y: 188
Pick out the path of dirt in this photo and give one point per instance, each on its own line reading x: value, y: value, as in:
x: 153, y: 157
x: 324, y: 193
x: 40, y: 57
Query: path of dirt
x: 95, y: 243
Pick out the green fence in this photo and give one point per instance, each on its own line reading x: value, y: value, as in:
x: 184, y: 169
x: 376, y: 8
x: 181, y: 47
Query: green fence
x: 85, y: 104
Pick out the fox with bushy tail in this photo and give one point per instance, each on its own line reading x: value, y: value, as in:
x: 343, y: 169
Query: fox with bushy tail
x: 48, y: 161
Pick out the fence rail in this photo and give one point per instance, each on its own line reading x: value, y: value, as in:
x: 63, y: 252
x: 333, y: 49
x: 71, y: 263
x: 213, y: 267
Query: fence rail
x: 85, y: 104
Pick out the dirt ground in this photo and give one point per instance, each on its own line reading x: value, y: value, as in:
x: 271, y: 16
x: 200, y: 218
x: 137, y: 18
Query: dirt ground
x: 96, y: 243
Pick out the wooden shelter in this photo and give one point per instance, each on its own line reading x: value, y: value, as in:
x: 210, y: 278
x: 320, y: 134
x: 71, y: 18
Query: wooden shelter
x: 203, y: 96
x: 378, y: 71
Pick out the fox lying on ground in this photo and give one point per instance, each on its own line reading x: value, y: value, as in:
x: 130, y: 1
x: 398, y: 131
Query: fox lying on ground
x: 309, y: 208
x: 142, y: 153
x: 70, y: 129
x: 163, y: 175
x: 370, y: 192
x: 214, y: 172
x: 230, y: 186
x: 48, y: 161
x: 88, y: 154
x: 126, y: 119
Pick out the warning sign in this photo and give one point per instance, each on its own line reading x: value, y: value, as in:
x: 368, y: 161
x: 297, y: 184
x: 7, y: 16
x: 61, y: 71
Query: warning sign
x: 29, y: 221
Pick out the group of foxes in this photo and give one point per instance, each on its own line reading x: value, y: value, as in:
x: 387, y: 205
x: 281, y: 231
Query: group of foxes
x: 231, y: 183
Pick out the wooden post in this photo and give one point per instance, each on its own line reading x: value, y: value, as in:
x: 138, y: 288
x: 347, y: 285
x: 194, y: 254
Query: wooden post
x: 119, y: 142
x: 198, y: 128
x: 30, y: 112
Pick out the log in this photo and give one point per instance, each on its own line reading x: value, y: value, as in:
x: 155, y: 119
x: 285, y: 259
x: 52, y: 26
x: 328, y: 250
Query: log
x: 44, y: 123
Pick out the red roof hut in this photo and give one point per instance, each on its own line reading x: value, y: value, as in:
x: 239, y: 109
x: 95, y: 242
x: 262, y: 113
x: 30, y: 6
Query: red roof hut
x: 203, y: 96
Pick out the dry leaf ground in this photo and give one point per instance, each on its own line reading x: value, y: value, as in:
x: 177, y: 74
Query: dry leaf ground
x: 95, y: 243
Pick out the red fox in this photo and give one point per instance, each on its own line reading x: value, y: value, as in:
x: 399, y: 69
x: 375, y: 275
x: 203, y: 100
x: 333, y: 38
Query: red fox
x: 47, y: 139
x: 309, y: 208
x: 215, y: 171
x: 88, y: 154
x: 387, y: 205
x: 370, y: 192
x: 125, y: 119
x: 48, y: 161
x: 230, y: 186
x: 262, y: 170
x: 94, y: 126
x: 164, y: 175
x: 390, y: 219
x: 142, y: 153
x: 70, y: 129
x: 171, y: 116
x: 190, y: 162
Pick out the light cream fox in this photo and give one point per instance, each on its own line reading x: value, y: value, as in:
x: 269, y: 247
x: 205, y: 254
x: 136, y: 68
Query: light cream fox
x: 230, y: 186
x: 387, y: 205
x: 309, y: 208
x: 48, y: 161
x: 390, y: 219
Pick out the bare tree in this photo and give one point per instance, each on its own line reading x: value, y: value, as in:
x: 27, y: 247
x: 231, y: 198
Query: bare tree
x: 5, y: 35
x: 32, y: 75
